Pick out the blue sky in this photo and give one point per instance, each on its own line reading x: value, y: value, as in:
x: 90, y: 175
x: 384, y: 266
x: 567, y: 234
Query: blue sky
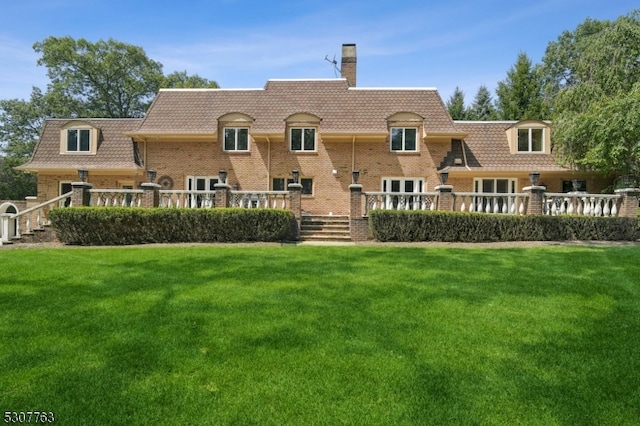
x: 242, y: 44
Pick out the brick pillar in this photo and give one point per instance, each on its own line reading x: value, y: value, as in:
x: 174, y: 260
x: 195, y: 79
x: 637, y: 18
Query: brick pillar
x: 150, y: 195
x: 445, y: 197
x: 223, y: 196
x: 535, y: 205
x: 358, y: 225
x: 629, y: 204
x: 80, y: 195
x: 295, y: 204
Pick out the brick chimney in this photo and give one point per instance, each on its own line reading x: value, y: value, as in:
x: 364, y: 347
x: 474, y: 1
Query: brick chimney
x: 348, y: 69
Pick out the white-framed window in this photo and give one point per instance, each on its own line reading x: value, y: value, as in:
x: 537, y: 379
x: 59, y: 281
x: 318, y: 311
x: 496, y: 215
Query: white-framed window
x: 489, y: 204
x: 302, y: 138
x: 402, y: 185
x: 282, y: 184
x: 531, y: 139
x: 205, y: 187
x: 495, y: 185
x: 404, y: 139
x: 236, y: 139
x: 78, y: 140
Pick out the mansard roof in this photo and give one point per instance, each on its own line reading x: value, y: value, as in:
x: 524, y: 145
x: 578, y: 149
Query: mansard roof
x: 342, y: 109
x: 486, y: 148
x: 115, y: 150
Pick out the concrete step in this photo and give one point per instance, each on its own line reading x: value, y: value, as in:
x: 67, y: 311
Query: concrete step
x: 325, y: 228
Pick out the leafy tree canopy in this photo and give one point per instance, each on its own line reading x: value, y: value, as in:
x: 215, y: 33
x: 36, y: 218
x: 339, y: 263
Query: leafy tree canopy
x: 592, y: 76
x: 455, y: 105
x: 520, y: 94
x: 482, y: 108
x: 102, y: 79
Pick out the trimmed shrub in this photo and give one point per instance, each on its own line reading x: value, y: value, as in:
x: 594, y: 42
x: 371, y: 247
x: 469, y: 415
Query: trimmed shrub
x: 122, y: 226
x: 393, y: 225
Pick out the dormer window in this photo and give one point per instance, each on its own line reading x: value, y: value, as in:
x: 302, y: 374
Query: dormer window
x: 303, y: 139
x: 78, y: 140
x: 78, y: 137
x: 404, y: 139
x: 236, y: 139
x: 530, y: 140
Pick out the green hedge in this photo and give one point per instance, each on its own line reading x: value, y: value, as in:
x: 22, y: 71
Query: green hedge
x: 391, y: 225
x: 121, y: 226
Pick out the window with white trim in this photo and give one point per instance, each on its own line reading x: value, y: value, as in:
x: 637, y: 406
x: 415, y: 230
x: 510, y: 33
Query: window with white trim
x: 302, y: 138
x: 236, y: 139
x: 205, y: 187
x: 531, y: 139
x: 490, y: 204
x: 78, y: 140
x: 282, y: 184
x: 401, y: 185
x: 404, y: 139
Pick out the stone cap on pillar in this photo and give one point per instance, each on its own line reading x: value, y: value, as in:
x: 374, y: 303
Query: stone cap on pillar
x: 444, y: 188
x: 355, y: 187
x: 150, y: 185
x: 627, y: 191
x: 81, y: 185
x: 535, y: 188
x: 294, y: 186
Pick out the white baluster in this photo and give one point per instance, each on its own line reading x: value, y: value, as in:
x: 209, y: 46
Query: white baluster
x: 598, y: 210
x: 614, y: 208
x: 521, y: 209
x: 505, y: 205
x: 488, y: 206
x: 463, y: 206
x: 563, y: 208
x: 607, y: 210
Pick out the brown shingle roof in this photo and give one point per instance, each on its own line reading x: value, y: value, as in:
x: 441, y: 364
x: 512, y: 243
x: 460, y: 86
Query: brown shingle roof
x: 115, y: 150
x: 487, y: 148
x: 341, y: 108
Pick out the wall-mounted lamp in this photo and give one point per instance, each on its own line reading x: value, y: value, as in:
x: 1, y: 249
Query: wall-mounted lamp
x: 296, y: 175
x: 534, y: 177
x: 222, y: 174
x: 356, y: 175
x: 83, y: 174
x: 151, y: 175
x: 444, y: 176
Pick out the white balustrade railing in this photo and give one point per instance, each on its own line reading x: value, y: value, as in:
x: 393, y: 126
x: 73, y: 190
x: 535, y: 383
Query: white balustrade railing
x: 400, y: 201
x: 115, y: 197
x: 494, y: 203
x: 606, y: 205
x: 259, y: 199
x: 186, y: 199
x: 32, y: 218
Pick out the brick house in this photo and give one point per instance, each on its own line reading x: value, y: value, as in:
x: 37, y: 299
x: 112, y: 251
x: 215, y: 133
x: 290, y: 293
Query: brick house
x: 399, y: 139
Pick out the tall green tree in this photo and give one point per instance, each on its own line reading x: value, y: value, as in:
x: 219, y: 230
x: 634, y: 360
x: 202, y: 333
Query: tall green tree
x: 102, y: 79
x: 455, y: 105
x: 181, y: 80
x: 20, y: 124
x: 592, y: 75
x: 520, y: 94
x: 482, y: 108
x: 114, y: 79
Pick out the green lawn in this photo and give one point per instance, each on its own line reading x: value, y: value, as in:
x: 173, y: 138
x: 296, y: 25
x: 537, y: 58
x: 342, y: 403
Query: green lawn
x: 305, y: 335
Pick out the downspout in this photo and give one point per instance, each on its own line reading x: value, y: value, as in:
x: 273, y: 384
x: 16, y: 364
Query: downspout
x: 268, y: 163
x: 353, y: 153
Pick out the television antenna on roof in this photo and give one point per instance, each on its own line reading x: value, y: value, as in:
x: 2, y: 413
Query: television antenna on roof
x: 336, y: 70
